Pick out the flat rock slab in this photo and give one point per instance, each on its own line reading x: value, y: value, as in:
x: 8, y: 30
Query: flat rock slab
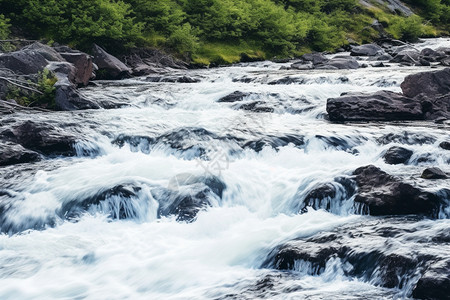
x: 380, y: 106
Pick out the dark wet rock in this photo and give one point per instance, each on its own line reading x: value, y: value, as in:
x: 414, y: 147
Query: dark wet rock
x: 424, y: 62
x: 11, y: 154
x: 380, y: 106
x: 397, y: 155
x: 328, y: 196
x: 339, y: 143
x: 366, y: 50
x: 67, y: 97
x: 429, y: 83
x: 445, y: 145
x: 43, y: 138
x: 365, y: 251
x: 384, y: 194
x: 275, y: 142
x: 187, y: 195
x: 435, y: 283
x: 116, y: 201
x: 234, y: 97
x: 255, y: 106
x: 435, y: 108
x: 433, y: 173
x: 109, y: 67
x: 406, y: 138
x: 191, y: 141
x: 173, y: 79
x: 287, y: 80
x: 83, y: 64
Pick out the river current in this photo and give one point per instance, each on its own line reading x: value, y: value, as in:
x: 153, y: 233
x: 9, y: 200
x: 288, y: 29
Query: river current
x: 265, y: 154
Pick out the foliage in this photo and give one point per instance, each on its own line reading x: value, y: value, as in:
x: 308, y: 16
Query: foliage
x: 183, y: 40
x: 46, y: 96
x: 193, y: 28
x: 4, y: 27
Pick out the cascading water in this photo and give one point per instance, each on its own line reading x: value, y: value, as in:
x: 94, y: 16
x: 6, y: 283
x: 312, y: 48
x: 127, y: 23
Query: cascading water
x: 180, y: 196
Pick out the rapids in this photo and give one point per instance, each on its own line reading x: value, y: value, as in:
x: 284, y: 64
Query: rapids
x: 101, y: 224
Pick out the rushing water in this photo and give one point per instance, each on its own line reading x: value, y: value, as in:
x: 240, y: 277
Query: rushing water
x: 121, y: 248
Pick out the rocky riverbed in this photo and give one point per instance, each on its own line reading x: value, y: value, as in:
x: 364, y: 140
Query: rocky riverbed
x: 271, y: 180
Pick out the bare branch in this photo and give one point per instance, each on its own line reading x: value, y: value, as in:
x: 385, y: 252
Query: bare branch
x: 21, y: 86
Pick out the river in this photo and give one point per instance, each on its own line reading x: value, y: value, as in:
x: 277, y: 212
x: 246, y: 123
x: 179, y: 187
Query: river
x: 264, y: 154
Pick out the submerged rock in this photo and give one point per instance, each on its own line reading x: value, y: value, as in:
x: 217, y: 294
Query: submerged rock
x: 368, y: 252
x: 43, y: 138
x: 234, y: 97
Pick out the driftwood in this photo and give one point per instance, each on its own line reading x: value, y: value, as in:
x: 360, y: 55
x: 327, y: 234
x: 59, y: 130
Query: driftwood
x: 11, y: 81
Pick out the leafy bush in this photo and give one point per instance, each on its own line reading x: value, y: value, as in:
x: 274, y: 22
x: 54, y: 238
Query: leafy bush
x: 4, y: 27
x: 183, y: 40
x: 45, y: 97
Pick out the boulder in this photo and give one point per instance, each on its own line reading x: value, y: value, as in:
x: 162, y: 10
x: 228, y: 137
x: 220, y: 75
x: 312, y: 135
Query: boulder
x: 43, y: 138
x: 340, y: 63
x: 435, y: 283
x: 314, y: 58
x: 430, y: 83
x: 23, y: 62
x: 11, y: 154
x: 432, y: 55
x: 433, y: 173
x: 397, y: 155
x: 410, y: 56
x: 435, y: 108
x: 384, y: 194
x: 379, y: 106
x: 67, y: 97
x: 366, y: 50
x: 47, y: 52
x: 149, y: 61
x: 109, y: 67
x: 83, y: 65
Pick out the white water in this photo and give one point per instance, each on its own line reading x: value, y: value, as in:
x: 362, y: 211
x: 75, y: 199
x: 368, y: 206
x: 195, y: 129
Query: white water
x: 222, y: 251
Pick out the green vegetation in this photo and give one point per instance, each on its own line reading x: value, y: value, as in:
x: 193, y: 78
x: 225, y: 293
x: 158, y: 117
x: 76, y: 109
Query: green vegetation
x: 219, y: 31
x: 40, y: 94
x: 4, y: 27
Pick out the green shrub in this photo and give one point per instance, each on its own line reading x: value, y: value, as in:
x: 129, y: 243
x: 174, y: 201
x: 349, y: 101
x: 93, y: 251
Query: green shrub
x: 46, y: 96
x: 183, y: 40
x: 4, y: 27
